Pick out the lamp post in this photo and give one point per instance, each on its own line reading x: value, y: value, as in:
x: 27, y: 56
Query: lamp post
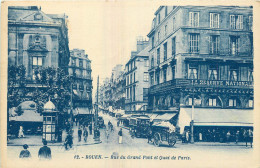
x: 192, y: 120
x: 96, y: 137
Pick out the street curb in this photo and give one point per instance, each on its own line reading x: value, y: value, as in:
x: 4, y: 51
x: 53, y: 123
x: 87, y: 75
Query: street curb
x: 56, y: 144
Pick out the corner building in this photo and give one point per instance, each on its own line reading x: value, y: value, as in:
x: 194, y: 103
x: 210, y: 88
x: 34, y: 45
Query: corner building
x: 202, y: 56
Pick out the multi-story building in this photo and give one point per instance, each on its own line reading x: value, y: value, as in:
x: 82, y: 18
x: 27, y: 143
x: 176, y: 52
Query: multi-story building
x: 112, y: 91
x: 137, y: 79
x: 202, y: 56
x: 36, y: 39
x: 80, y: 68
x: 118, y: 87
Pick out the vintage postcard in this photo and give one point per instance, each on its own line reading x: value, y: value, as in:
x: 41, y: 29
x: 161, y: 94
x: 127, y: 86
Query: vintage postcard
x: 129, y: 84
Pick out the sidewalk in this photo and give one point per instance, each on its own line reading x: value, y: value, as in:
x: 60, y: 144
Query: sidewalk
x: 36, y: 140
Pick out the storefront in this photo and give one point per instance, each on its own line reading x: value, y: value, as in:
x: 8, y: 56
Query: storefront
x: 213, y: 124
x: 83, y: 115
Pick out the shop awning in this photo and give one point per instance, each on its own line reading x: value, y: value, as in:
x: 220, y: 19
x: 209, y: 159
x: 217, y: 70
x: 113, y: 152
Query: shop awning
x: 28, y: 116
x: 215, y: 117
x: 165, y: 117
x: 81, y: 110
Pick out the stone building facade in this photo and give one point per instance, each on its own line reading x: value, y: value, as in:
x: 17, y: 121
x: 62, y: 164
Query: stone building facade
x: 201, y: 56
x: 112, y: 91
x: 80, y: 68
x: 36, y: 39
x: 137, y: 79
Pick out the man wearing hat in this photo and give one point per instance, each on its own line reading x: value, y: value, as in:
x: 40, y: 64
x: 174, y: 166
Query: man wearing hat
x: 25, y: 153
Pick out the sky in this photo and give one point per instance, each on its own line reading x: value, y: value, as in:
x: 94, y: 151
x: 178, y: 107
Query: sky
x: 107, y: 31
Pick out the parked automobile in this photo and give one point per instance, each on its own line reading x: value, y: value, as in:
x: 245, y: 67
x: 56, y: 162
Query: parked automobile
x: 164, y: 133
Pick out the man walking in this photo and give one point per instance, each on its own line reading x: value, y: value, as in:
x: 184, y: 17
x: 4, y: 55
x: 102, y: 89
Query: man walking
x: 107, y: 134
x: 79, y: 134
x: 90, y: 129
x: 68, y: 141
x: 120, y: 134
x: 85, y: 134
x: 45, y: 151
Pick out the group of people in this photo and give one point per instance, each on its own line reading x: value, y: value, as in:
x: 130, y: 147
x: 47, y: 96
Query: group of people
x: 43, y: 153
x: 217, y: 135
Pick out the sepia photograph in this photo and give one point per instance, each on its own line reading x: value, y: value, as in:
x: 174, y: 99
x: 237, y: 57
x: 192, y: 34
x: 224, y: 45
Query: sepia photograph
x: 121, y: 84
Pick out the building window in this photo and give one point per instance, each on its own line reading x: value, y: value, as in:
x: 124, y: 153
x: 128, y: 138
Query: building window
x: 234, y: 45
x: 158, y: 56
x: 159, y: 18
x: 133, y: 93
x: 158, y: 36
x: 233, y: 73
x: 131, y: 76
x: 212, y: 102
x: 173, y: 46
x: 250, y: 103
x: 158, y: 77
x: 152, y: 42
x: 164, y: 74
x: 232, y: 102
x: 173, y: 24
x: 145, y: 94
x: 194, y: 19
x: 213, y: 72
x: 37, y: 63
x: 190, y: 101
x: 165, y: 30
x: 214, y: 44
x: 134, y: 77
x: 193, y: 71
x: 146, y: 77
x: 236, y: 21
x: 80, y: 63
x: 152, y: 62
x: 152, y: 79
x: 166, y: 10
x: 250, y: 74
x: 250, y: 23
x: 214, y: 20
x: 73, y: 62
x: 194, y: 43
x: 165, y: 51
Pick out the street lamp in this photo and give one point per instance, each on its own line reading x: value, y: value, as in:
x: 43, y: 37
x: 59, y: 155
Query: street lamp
x: 192, y: 119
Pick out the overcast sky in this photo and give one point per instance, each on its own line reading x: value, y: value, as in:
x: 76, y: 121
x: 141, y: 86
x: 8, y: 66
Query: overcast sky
x: 106, y: 31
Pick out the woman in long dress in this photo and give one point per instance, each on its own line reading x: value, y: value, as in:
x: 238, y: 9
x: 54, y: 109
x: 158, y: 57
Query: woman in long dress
x: 120, y: 134
x: 21, y: 135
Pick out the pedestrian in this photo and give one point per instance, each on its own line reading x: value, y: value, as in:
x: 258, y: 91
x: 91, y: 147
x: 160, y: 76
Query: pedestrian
x: 79, y: 134
x: 200, y: 136
x: 45, y: 151
x: 183, y: 137
x: 120, y: 134
x: 25, y: 153
x: 118, y: 122
x: 187, y: 136
x: 228, y: 136
x: 21, y: 134
x: 76, y: 121
x: 149, y: 135
x: 68, y: 141
x: 90, y: 128
x: 112, y: 128
x: 85, y: 134
x: 250, y: 137
x: 237, y: 136
x: 107, y: 135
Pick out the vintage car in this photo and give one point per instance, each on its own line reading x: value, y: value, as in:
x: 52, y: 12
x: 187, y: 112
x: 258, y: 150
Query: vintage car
x: 164, y: 133
x: 142, y: 126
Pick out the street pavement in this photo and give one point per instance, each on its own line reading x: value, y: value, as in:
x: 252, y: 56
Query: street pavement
x: 215, y: 153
